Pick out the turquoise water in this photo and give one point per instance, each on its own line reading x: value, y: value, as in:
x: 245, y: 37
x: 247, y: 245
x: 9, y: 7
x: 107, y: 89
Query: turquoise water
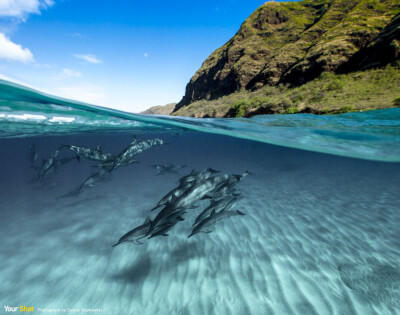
x: 320, y: 234
x: 372, y: 135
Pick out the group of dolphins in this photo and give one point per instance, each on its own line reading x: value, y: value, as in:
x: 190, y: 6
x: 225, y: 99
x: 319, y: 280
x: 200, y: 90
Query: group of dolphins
x: 107, y: 162
x: 198, y: 185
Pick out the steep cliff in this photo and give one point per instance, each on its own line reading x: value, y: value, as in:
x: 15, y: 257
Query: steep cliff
x: 293, y: 43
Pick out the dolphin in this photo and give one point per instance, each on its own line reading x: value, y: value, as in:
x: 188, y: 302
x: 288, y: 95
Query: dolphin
x: 198, y: 191
x: 33, y: 155
x: 171, y: 221
x: 48, y: 164
x: 228, y: 187
x: 94, y: 154
x: 135, y: 147
x: 198, y: 175
x: 51, y: 165
x: 167, y: 216
x: 176, y: 192
x: 184, y: 184
x: 225, y: 190
x: 167, y: 168
x: 162, y: 232
x: 206, y: 226
x: 136, y: 234
x: 110, y: 165
x: 223, y: 204
x: 89, y: 182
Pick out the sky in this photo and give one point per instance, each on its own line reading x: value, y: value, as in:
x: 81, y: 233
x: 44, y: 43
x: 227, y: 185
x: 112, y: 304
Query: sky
x: 125, y: 54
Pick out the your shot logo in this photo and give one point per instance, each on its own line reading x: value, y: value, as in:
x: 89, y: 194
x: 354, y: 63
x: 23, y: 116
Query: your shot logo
x: 21, y: 308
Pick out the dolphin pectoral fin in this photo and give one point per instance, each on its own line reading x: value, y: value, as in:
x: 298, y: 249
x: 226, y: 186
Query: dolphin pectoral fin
x: 208, y: 231
x: 206, y: 197
x: 78, y: 158
x: 157, y: 206
x: 165, y: 234
x: 147, y: 221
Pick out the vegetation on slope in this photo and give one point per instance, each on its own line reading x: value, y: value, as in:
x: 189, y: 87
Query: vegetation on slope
x: 329, y: 94
x: 287, y: 44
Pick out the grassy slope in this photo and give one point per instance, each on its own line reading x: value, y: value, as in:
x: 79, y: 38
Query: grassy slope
x: 330, y: 93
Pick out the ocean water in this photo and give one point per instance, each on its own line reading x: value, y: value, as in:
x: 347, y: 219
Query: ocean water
x: 320, y: 234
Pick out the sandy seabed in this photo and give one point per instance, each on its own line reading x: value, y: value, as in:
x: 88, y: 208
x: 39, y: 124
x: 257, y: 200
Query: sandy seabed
x: 321, y: 234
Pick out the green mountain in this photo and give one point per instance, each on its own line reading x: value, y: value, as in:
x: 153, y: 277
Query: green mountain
x: 284, y: 46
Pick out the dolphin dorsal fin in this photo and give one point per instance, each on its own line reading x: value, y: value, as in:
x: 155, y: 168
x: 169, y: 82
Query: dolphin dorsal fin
x: 134, y: 139
x: 98, y: 148
x: 147, y: 221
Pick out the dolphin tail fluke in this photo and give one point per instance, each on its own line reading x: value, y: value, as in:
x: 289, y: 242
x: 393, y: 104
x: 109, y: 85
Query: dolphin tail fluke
x: 240, y: 212
x: 247, y: 173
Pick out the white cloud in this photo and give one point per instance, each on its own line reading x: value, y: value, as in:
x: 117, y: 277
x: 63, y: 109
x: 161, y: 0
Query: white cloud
x: 22, y: 8
x: 146, y: 55
x: 13, y: 52
x: 71, y: 73
x: 89, y: 58
x: 88, y: 94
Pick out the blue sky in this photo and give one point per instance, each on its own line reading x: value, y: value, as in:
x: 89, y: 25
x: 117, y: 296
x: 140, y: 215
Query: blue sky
x: 124, y: 54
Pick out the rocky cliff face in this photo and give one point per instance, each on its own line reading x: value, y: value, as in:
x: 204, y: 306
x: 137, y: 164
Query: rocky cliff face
x: 294, y: 42
x: 160, y: 109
